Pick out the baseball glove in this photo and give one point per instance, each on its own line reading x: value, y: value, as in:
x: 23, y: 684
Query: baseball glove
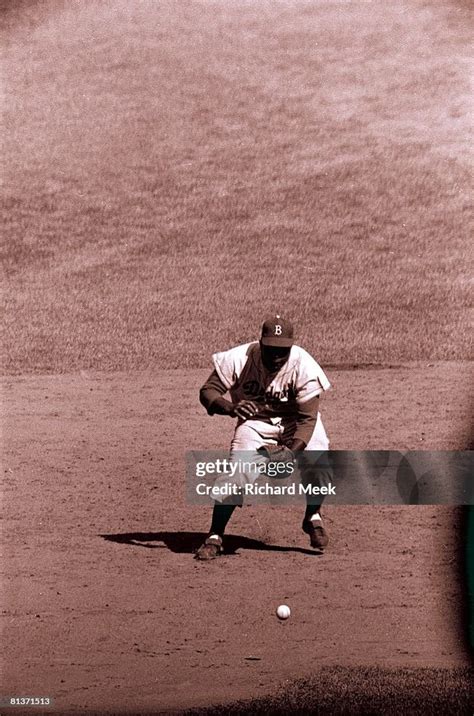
x: 277, y: 453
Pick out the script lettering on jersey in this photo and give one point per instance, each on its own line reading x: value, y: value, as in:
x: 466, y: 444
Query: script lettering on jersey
x: 253, y: 389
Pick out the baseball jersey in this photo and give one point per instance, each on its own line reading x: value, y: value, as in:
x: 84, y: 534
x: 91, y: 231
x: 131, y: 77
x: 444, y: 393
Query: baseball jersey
x: 299, y: 380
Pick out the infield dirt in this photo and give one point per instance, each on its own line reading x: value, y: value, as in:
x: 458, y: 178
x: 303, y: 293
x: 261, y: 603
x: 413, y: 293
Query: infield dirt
x: 106, y: 608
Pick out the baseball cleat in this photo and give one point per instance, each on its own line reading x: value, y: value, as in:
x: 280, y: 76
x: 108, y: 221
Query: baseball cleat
x: 211, y: 548
x: 317, y: 534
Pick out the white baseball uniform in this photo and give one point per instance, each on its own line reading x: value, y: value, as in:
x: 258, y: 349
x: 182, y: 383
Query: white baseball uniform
x: 279, y: 397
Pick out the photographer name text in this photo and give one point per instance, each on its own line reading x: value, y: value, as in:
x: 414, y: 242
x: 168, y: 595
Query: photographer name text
x: 254, y: 489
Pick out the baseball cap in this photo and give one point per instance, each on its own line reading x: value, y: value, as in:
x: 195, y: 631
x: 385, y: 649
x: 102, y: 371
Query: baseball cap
x: 277, y: 332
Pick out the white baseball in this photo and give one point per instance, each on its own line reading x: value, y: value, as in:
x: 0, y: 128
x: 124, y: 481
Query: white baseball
x: 283, y: 612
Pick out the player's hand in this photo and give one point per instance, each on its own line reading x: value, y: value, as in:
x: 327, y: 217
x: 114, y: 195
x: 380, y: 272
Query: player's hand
x: 245, y: 410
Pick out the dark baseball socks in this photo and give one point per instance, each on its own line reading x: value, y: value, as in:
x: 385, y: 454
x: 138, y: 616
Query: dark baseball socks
x: 221, y: 515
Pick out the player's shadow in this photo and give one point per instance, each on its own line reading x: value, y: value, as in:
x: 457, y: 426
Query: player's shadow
x: 188, y: 542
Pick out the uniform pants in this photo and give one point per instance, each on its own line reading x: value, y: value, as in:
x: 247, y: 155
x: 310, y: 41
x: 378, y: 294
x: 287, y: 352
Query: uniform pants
x: 250, y: 435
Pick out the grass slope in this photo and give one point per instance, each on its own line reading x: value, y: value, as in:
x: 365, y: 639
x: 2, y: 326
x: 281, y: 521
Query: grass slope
x: 174, y: 171
x: 367, y: 692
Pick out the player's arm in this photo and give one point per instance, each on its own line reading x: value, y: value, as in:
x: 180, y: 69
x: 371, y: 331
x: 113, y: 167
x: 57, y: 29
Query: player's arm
x: 310, y: 382
x: 212, y: 398
x: 306, y: 417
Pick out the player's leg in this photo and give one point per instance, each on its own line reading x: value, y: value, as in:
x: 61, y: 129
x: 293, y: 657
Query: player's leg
x: 315, y: 470
x: 249, y: 436
x: 212, y: 545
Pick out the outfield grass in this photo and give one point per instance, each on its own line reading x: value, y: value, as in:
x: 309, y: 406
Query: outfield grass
x: 365, y: 691
x: 175, y: 171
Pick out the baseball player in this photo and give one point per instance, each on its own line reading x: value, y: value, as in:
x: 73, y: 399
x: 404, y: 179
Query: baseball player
x: 274, y: 388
